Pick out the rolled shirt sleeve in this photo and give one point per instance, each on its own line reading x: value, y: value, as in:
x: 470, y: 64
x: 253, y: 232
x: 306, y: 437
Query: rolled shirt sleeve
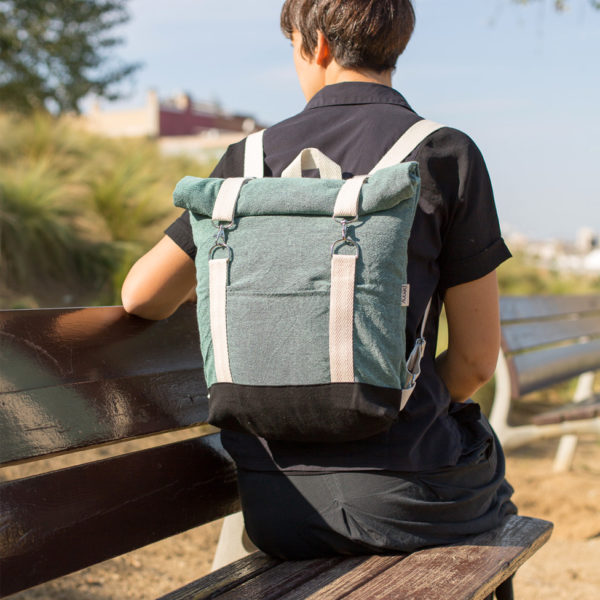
x: 454, y: 173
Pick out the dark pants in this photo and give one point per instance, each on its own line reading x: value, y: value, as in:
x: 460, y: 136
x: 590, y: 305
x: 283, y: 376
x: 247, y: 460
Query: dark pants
x: 295, y: 515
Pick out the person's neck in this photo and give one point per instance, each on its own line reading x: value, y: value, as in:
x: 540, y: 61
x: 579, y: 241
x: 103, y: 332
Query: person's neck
x: 336, y: 74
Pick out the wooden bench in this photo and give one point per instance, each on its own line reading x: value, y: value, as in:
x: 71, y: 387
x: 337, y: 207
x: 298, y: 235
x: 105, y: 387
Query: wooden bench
x: 76, y: 379
x: 548, y: 340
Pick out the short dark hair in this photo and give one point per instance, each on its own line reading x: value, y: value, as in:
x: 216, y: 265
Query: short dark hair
x: 362, y: 34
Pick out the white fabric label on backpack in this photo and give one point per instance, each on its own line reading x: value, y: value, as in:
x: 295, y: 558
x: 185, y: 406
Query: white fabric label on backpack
x: 405, y: 295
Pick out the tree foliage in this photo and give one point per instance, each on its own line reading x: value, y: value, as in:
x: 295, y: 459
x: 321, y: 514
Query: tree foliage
x: 55, y: 52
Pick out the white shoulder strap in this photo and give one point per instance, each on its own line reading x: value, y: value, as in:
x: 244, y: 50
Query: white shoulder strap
x: 254, y: 162
x: 411, y: 138
x: 254, y: 165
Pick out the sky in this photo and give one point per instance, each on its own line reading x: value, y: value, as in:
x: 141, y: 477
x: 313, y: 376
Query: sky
x: 522, y: 81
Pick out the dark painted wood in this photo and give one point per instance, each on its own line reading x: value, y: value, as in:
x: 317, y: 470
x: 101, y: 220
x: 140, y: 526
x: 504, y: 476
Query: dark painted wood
x: 56, y: 523
x: 517, y: 308
x: 280, y: 579
x: 543, y: 368
x: 471, y: 570
x: 77, y: 378
x: 58, y: 419
x: 74, y: 378
x: 225, y: 579
x: 50, y: 347
x: 257, y: 577
x: 524, y: 336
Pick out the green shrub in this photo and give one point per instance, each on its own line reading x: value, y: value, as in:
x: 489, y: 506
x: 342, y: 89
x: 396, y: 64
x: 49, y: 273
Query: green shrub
x: 76, y: 210
x: 40, y: 242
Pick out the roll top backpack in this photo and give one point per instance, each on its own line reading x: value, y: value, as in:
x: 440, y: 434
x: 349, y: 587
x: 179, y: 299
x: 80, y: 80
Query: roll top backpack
x: 303, y: 292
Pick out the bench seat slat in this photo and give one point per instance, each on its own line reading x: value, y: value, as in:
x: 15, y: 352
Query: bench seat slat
x: 329, y: 576
x: 468, y: 571
x: 462, y: 572
x: 522, y: 336
x: 520, y: 308
x: 542, y: 368
x: 62, y: 521
x: 52, y: 420
x: 277, y: 581
x: 344, y: 578
x: 571, y: 412
x: 224, y: 579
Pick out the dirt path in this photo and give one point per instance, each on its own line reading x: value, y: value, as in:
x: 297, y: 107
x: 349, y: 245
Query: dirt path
x: 565, y: 569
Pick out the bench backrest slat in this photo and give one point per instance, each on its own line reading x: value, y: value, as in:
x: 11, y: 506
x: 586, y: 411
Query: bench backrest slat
x: 59, y: 419
x: 549, y: 339
x: 62, y: 346
x: 521, y: 308
x: 545, y: 367
x: 74, y: 378
x: 523, y: 336
x: 60, y: 522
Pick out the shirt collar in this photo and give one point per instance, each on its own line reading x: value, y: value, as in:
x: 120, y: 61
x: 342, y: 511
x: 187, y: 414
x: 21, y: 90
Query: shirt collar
x: 356, y: 92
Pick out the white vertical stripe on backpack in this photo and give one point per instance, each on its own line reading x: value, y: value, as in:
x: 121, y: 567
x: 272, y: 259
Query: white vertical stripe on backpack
x: 218, y: 269
x: 341, y: 318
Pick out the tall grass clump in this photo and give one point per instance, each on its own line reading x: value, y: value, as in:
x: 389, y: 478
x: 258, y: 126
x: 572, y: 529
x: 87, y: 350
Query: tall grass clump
x: 44, y: 251
x: 77, y: 210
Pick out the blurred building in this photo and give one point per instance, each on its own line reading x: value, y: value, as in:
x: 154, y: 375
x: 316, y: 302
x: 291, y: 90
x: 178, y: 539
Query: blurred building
x: 586, y: 240
x: 583, y: 256
x: 181, y: 125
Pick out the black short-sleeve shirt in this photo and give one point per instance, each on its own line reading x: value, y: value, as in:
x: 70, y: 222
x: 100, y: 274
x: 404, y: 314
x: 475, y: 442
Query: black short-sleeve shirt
x: 455, y: 239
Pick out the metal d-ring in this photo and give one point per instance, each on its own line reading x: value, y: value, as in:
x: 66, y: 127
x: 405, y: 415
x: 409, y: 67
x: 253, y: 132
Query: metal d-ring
x: 224, y: 247
x: 345, y: 238
x: 347, y: 241
x: 220, y: 238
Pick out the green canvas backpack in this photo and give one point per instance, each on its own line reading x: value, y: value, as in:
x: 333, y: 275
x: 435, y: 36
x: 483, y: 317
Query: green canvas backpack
x: 303, y: 292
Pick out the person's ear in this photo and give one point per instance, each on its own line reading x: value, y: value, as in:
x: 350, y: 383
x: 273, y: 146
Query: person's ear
x: 322, y: 53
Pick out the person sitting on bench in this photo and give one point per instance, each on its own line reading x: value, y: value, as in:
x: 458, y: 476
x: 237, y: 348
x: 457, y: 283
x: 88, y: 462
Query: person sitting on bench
x: 438, y: 474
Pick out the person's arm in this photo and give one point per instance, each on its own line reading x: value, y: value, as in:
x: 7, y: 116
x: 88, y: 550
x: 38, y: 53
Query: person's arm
x: 159, y: 282
x: 473, y: 336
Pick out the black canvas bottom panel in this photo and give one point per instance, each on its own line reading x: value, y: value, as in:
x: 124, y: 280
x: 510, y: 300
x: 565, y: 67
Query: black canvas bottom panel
x: 331, y: 412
